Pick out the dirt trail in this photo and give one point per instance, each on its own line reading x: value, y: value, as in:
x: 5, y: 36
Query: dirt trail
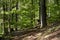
x: 38, y: 36
x: 30, y: 36
x: 53, y: 36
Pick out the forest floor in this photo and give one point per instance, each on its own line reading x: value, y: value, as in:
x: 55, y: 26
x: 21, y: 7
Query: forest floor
x: 38, y: 36
x: 52, y: 33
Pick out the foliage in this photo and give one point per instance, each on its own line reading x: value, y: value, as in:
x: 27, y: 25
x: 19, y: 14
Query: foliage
x: 28, y: 12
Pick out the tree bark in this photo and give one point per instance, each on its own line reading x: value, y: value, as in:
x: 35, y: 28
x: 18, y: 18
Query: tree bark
x: 16, y: 15
x: 42, y: 13
x: 4, y: 17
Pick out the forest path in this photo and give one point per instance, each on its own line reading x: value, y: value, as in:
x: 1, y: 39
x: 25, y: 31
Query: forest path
x: 52, y: 33
x: 38, y: 36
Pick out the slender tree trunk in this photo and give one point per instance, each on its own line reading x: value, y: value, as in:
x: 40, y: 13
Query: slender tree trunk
x: 43, y: 13
x: 31, y: 13
x: 4, y: 17
x: 16, y: 15
x: 9, y: 20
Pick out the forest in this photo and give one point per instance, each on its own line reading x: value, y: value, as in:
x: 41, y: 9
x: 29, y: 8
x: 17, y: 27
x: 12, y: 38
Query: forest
x: 19, y: 17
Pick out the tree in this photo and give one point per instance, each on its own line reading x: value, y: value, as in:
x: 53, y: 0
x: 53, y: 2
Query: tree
x: 16, y: 14
x: 4, y: 17
x: 43, y: 13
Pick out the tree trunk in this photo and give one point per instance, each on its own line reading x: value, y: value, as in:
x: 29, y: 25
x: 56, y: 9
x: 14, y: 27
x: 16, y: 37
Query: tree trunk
x: 16, y: 15
x: 4, y: 17
x: 43, y: 13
